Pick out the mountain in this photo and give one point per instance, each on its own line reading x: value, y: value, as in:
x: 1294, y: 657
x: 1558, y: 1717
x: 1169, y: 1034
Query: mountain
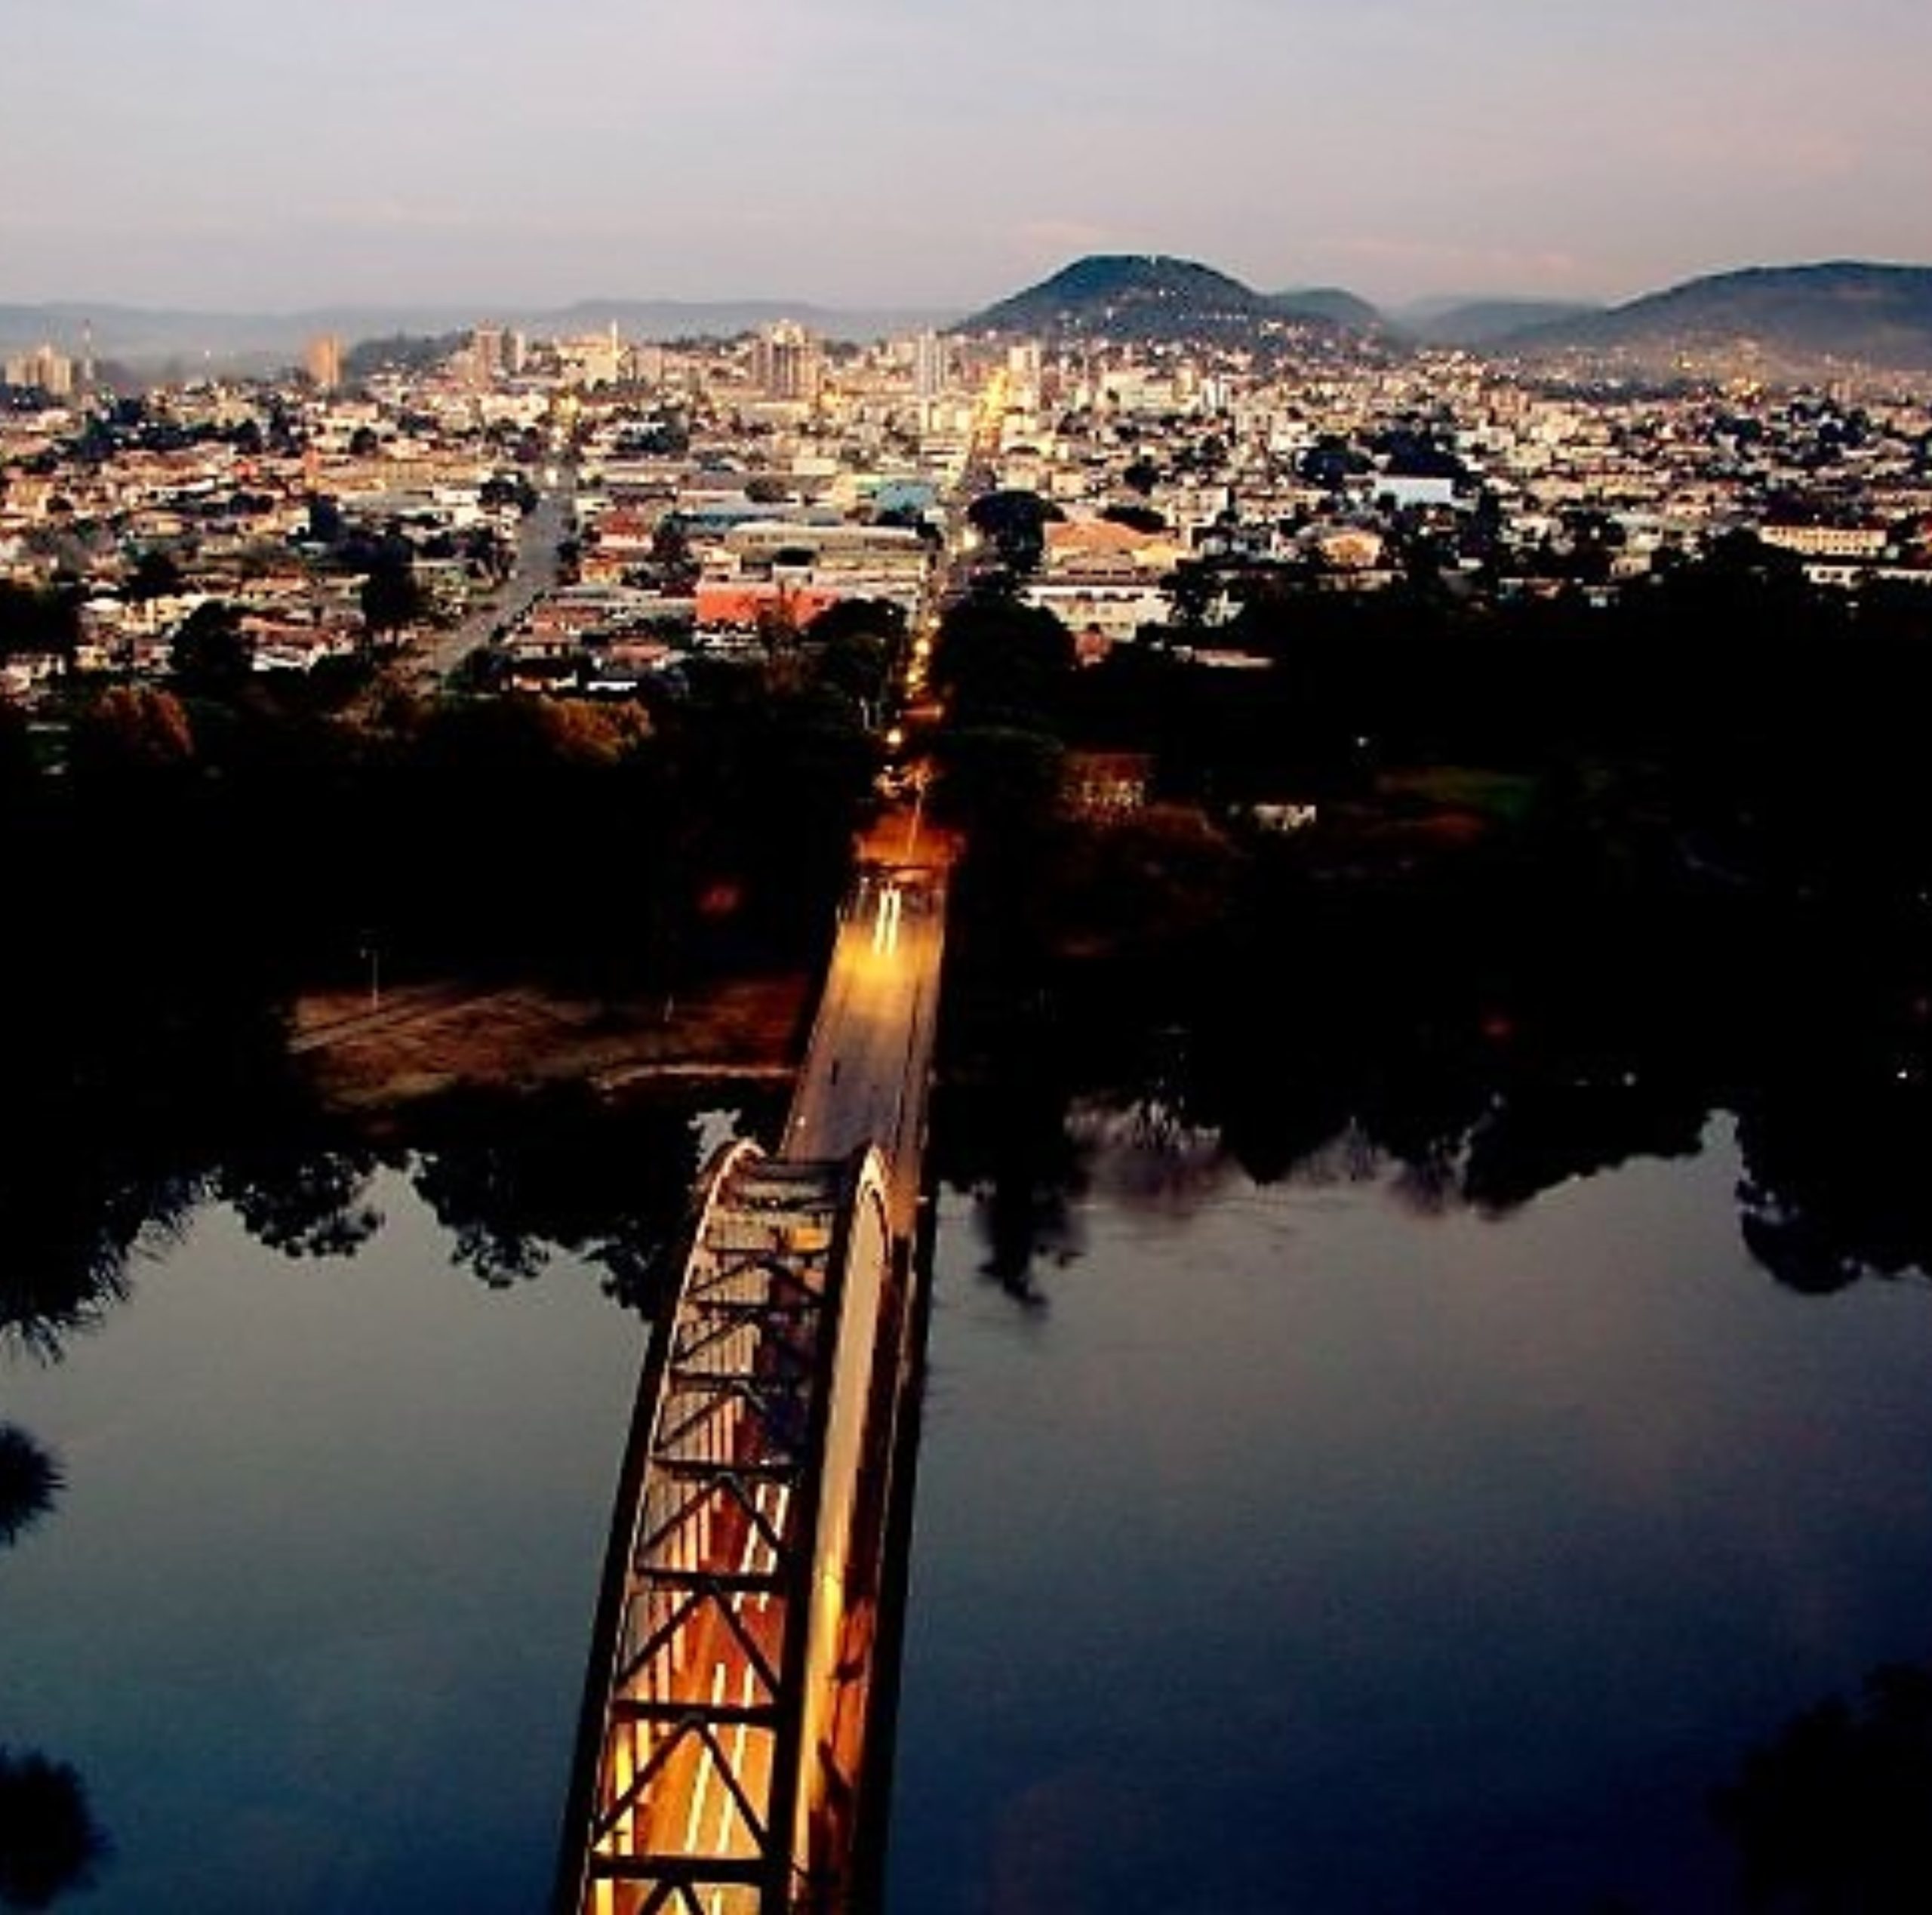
x: 1134, y: 295
x: 1151, y: 296
x: 1478, y: 322
x: 1788, y: 316
x: 1334, y: 304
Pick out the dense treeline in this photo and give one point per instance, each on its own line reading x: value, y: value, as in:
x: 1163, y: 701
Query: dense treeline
x: 266, y: 839
x: 1581, y: 876
x: 181, y: 863
x: 1750, y: 703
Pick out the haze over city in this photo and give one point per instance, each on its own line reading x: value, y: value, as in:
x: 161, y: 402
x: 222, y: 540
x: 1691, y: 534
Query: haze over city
x: 212, y: 153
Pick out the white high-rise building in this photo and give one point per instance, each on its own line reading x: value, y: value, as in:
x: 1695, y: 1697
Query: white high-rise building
x: 52, y: 372
x: 929, y: 357
x: 785, y: 363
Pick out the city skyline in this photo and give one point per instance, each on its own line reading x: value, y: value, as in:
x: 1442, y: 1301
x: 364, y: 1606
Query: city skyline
x: 871, y: 153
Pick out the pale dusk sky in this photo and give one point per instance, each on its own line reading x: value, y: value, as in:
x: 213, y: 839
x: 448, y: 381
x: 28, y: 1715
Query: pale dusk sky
x: 262, y: 155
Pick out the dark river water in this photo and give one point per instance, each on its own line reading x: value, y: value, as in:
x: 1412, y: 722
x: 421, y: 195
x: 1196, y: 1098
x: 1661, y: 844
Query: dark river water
x: 1282, y: 1548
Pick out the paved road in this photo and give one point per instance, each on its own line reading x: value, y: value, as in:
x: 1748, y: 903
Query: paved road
x: 868, y: 1068
x: 539, y: 533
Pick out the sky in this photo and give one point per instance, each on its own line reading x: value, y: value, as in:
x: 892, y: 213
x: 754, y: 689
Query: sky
x: 263, y: 155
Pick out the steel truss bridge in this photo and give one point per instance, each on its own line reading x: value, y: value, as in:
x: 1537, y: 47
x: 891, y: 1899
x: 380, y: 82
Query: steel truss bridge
x: 743, y: 1640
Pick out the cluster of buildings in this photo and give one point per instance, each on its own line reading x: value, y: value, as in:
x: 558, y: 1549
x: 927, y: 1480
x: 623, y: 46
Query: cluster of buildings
x: 1170, y: 464
x: 719, y: 494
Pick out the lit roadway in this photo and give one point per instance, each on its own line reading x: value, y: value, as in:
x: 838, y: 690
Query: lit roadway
x: 863, y: 1082
x: 731, y: 1572
x: 704, y: 1827
x: 865, y: 1074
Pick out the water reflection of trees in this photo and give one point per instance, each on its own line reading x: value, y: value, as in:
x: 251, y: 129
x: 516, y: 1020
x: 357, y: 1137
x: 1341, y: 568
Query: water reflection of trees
x: 1007, y: 1141
x: 1835, y: 1812
x: 513, y: 1179
x: 1477, y: 1051
x: 1837, y: 1187
x: 30, y: 1481
x: 50, y: 1842
x: 70, y: 1222
x: 303, y: 1202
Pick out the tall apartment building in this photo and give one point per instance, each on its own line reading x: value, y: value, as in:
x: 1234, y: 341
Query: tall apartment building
x: 488, y: 351
x: 928, y: 366
x: 52, y: 372
x: 323, y: 361
x: 787, y: 363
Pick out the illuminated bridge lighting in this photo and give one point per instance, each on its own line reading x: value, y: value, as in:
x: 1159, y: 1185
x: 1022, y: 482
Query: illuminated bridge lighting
x: 720, y: 1768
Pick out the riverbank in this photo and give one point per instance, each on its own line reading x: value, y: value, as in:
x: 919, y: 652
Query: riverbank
x: 366, y: 1054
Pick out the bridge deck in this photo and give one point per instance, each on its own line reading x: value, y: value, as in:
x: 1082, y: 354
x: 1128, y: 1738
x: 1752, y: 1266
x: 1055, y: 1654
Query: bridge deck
x: 687, y: 1813
x: 720, y: 1759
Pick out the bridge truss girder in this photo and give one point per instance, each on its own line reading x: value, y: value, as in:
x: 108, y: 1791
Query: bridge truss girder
x: 688, y: 1771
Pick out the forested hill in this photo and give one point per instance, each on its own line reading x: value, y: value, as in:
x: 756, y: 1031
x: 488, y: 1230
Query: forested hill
x: 1776, y: 318
x: 1152, y: 297
x: 1877, y: 315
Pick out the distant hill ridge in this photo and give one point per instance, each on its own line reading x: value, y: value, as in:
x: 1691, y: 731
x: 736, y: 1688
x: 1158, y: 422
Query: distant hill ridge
x: 1876, y: 314
x: 1480, y: 322
x: 1849, y: 309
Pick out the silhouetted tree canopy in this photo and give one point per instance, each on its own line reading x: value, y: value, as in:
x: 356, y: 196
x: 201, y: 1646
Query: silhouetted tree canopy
x: 50, y: 1842
x: 392, y: 596
x: 210, y: 655
x: 1836, y: 1814
x: 155, y: 574
x: 128, y: 730
x: 1015, y: 521
x: 43, y: 619
x: 995, y: 659
x: 30, y: 1479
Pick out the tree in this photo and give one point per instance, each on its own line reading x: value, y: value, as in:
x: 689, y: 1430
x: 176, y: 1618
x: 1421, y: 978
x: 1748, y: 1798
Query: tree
x: 16, y: 754
x: 30, y: 1479
x: 488, y: 554
x: 210, y: 653
x: 44, y: 620
x: 503, y: 489
x: 856, y: 641
x: 49, y: 1840
x: 1835, y: 1814
x: 674, y: 563
x: 155, y: 575
x: 998, y: 781
x: 996, y: 661
x: 1015, y: 521
x: 392, y: 597
x: 130, y: 728
x: 1191, y: 588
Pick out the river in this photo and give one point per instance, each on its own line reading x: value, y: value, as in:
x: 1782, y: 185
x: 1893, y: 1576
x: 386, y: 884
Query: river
x: 308, y: 1620
x: 1303, y: 1546
x: 1293, y: 1548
